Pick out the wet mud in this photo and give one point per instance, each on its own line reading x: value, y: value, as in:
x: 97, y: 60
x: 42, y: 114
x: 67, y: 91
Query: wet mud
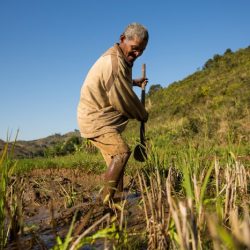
x: 52, y: 197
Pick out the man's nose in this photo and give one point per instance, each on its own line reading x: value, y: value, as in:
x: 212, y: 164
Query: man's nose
x: 137, y: 53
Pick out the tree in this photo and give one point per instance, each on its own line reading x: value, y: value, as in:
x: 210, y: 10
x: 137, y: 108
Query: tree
x: 153, y: 88
x: 228, y: 51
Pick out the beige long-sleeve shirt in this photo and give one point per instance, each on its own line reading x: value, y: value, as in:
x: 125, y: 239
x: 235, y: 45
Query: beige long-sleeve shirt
x: 107, y: 99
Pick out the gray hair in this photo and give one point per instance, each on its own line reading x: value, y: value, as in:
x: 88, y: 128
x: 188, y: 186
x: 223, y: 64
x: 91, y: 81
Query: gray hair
x: 136, y: 29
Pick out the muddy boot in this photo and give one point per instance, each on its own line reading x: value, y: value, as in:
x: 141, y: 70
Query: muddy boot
x: 119, y: 191
x: 113, y: 175
x: 120, y: 184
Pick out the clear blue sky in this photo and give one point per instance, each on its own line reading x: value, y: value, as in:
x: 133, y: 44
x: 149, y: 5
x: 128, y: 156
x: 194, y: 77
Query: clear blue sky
x: 48, y: 46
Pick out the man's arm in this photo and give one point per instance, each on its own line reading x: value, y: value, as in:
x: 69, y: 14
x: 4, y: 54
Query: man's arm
x: 123, y: 99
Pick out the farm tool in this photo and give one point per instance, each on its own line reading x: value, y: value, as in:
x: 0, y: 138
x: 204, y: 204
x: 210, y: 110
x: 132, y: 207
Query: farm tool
x: 140, y: 153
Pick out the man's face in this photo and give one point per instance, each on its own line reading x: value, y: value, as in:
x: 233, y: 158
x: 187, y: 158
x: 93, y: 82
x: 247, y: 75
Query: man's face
x: 132, y: 49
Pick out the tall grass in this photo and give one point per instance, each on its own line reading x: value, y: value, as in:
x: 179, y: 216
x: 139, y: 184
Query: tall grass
x: 7, y: 167
x: 157, y: 218
x: 190, y: 199
x: 211, y: 210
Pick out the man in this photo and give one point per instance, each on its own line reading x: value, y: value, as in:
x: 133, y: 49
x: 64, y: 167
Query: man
x: 107, y: 101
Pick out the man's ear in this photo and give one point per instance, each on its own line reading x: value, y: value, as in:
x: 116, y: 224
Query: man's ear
x: 122, y: 38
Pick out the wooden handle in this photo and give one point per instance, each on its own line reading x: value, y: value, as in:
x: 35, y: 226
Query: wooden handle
x: 143, y: 85
x: 142, y: 128
x: 144, y: 70
x: 143, y: 74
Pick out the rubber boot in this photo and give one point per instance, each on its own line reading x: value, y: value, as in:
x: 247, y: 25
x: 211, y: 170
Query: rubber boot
x: 120, y: 184
x: 113, y: 175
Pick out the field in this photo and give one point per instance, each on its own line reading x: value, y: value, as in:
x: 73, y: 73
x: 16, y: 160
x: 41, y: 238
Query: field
x: 192, y: 192
x: 190, y: 199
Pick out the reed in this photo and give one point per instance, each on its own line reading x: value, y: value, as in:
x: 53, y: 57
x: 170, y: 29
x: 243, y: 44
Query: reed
x: 8, y: 199
x: 157, y: 218
x: 211, y: 211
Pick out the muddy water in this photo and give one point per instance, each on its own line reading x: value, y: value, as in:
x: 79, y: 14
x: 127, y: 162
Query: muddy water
x: 50, y: 198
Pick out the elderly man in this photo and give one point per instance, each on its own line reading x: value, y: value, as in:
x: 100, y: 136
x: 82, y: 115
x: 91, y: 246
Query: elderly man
x: 107, y: 101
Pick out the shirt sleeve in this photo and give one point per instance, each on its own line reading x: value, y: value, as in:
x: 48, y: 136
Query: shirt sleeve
x: 123, y: 98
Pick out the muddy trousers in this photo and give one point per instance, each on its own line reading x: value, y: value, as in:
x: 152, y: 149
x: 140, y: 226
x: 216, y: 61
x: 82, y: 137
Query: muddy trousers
x: 113, y: 178
x: 115, y: 152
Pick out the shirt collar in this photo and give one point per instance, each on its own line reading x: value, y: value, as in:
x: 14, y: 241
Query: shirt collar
x: 122, y: 55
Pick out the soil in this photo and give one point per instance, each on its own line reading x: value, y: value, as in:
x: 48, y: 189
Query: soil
x: 51, y: 198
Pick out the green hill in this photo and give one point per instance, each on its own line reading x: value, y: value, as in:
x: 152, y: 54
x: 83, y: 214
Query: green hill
x: 212, y: 104
x: 39, y: 147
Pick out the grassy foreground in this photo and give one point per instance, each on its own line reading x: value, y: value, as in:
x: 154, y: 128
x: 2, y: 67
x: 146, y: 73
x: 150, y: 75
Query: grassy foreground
x: 191, y: 198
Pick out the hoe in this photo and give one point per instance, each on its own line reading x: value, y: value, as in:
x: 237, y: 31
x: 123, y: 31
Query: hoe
x: 140, y: 150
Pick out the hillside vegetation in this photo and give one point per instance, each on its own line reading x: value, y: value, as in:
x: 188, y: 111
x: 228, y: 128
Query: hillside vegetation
x: 44, y: 146
x: 212, y: 104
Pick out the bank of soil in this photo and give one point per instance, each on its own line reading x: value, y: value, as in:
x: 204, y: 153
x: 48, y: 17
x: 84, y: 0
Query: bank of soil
x: 50, y: 199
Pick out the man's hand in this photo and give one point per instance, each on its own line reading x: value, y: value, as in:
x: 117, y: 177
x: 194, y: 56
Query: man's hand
x: 140, y: 81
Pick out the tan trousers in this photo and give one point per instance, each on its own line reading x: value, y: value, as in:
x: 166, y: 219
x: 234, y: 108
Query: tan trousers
x: 110, y: 144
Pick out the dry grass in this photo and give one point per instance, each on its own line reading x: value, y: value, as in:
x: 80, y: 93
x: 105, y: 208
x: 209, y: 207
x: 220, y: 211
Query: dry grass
x: 216, y: 216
